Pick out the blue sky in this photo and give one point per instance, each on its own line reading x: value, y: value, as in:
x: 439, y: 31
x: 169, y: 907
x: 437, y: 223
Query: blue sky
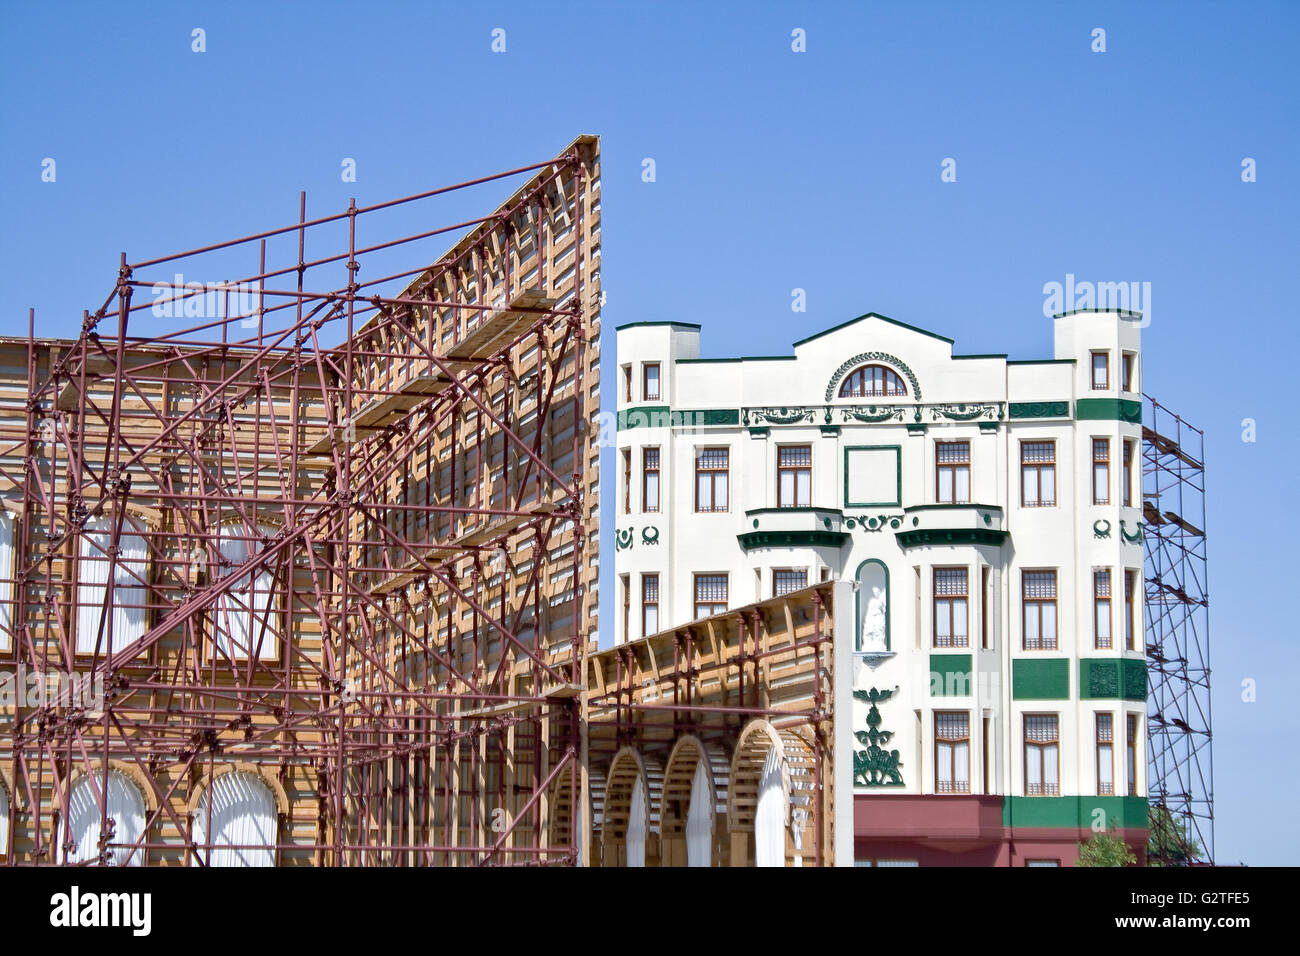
x: 775, y: 170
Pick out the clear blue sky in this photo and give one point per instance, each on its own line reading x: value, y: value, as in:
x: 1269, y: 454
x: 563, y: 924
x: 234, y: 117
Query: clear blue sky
x: 775, y: 170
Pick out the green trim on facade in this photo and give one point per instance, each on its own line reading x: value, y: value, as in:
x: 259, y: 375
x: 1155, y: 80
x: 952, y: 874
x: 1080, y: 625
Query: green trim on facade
x: 1122, y: 313
x: 898, y: 477
x: 1039, y: 410
x: 741, y: 358
x: 792, y: 539
x: 1112, y: 678
x: 1108, y: 410
x: 646, y: 325
x: 661, y: 416
x: 1127, y: 813
x: 990, y: 355
x: 791, y: 511
x: 974, y: 505
x: 759, y: 432
x: 697, y: 417
x: 647, y: 416
x: 951, y: 675
x: 1042, y: 361
x: 1040, y: 679
x: 916, y: 538
x: 873, y: 315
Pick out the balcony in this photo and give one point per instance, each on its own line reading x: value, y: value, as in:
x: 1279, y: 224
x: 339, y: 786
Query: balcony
x: 939, y: 525
x: 793, y: 528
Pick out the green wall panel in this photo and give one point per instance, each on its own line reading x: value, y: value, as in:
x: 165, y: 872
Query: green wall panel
x: 1040, y: 678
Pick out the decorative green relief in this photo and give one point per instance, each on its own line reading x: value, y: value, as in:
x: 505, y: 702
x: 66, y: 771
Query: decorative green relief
x: 781, y: 416
x: 1101, y: 528
x: 1133, y: 538
x: 873, y: 414
x: 988, y: 411
x: 873, y: 522
x: 1039, y: 409
x: 1109, y: 410
x: 622, y: 539
x: 648, y: 416
x: 650, y: 535
x: 792, y: 539
x: 874, y: 767
x: 1112, y: 678
x: 943, y: 536
x: 864, y: 358
x: 1135, y: 679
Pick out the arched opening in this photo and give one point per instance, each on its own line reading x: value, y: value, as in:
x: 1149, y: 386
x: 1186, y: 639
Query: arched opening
x: 126, y: 811
x: 638, y: 825
x: 235, y: 821
x: 771, y: 779
x: 694, y: 778
x: 699, y: 818
x: 630, y: 816
x: 7, y: 542
x: 126, y: 619
x: 872, y: 580
x: 4, y: 817
x: 873, y: 381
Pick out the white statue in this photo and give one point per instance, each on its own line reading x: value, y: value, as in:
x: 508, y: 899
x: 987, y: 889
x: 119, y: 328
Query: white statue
x: 873, y: 621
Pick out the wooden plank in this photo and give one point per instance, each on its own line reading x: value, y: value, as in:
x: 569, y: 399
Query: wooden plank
x: 496, y: 330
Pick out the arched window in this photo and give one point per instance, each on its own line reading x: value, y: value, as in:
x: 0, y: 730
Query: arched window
x: 243, y: 821
x: 699, y: 818
x: 636, y: 825
x: 127, y: 616
x: 769, y: 817
x: 873, y: 381
x: 7, y: 563
x: 246, y: 618
x: 125, y: 808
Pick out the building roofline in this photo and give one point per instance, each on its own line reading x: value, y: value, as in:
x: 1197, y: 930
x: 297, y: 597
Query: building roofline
x: 1122, y: 313
x: 883, y: 318
x: 640, y: 325
x: 742, y: 358
x: 1052, y: 361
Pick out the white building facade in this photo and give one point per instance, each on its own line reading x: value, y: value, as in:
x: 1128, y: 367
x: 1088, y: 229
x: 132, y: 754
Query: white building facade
x: 985, y: 518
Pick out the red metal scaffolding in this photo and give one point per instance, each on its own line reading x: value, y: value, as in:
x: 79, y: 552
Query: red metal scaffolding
x: 334, y: 533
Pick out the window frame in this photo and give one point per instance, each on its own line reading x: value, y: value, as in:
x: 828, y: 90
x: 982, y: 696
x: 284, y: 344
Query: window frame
x: 1127, y: 366
x: 954, y: 468
x: 795, y: 471
x: 1128, y: 456
x: 1040, y: 747
x: 648, y: 578
x: 1130, y: 610
x: 1098, y: 599
x: 1106, y: 743
x: 133, y: 525
x: 855, y: 383
x: 1038, y: 467
x: 776, y: 586
x: 1039, y: 603
x: 713, y: 474
x: 627, y: 481
x: 646, y: 396
x: 1101, y: 464
x: 1104, y: 355
x: 950, y: 600
x: 646, y: 472
x: 956, y: 786
x: 1132, y: 728
x: 698, y: 603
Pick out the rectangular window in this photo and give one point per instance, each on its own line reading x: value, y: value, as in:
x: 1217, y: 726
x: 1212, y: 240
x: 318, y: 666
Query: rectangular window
x: 952, y: 472
x: 950, y: 606
x: 1130, y: 611
x: 625, y: 581
x: 650, y: 479
x: 986, y: 746
x: 1128, y: 474
x: 711, y: 478
x: 649, y: 604
x: 627, y: 383
x: 786, y: 581
x: 1039, y: 598
x: 1126, y: 371
x: 1100, y: 370
x: 1037, y: 474
x: 710, y: 594
x: 1101, y: 609
x: 1101, y: 471
x: 1042, y: 756
x: 1105, y: 756
x: 985, y: 596
x: 650, y: 382
x: 794, y: 476
x: 1132, y: 754
x: 952, y: 752
x: 627, y: 481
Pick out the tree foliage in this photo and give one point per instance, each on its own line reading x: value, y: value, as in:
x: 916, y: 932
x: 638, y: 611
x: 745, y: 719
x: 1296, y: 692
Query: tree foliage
x: 1106, y: 849
x: 1169, y: 843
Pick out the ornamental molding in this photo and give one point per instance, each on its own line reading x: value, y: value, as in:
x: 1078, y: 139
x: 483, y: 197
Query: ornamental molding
x: 874, y: 766
x: 863, y: 359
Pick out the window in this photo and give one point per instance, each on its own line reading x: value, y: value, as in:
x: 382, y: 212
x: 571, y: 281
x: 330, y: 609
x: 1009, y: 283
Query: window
x: 627, y: 383
x: 1042, y: 756
x: 950, y: 607
x: 986, y: 595
x: 126, y: 812
x: 650, y: 479
x: 245, y: 623
x: 126, y: 618
x: 1042, y: 862
x: 1105, y: 755
x: 1037, y: 474
x: 710, y: 594
x: 952, y: 752
x: 1128, y: 474
x: 785, y: 581
x: 625, y: 581
x: 1132, y: 736
x: 1101, y: 609
x: 1130, y: 611
x: 711, y: 477
x: 873, y: 381
x: 952, y: 472
x: 627, y: 481
x: 649, y: 604
x: 1101, y: 471
x: 650, y: 382
x: 243, y: 816
x: 1039, y: 591
x: 794, y: 476
x: 1126, y: 371
x: 1101, y: 370
x: 7, y: 542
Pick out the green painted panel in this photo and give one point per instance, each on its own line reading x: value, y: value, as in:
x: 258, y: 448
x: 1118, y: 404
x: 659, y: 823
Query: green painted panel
x: 1108, y: 409
x: 694, y: 418
x: 792, y: 539
x: 951, y: 675
x: 1112, y: 678
x: 943, y: 536
x: 1068, y: 812
x: 1039, y: 410
x: 647, y: 416
x: 1135, y: 679
x: 1040, y: 678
